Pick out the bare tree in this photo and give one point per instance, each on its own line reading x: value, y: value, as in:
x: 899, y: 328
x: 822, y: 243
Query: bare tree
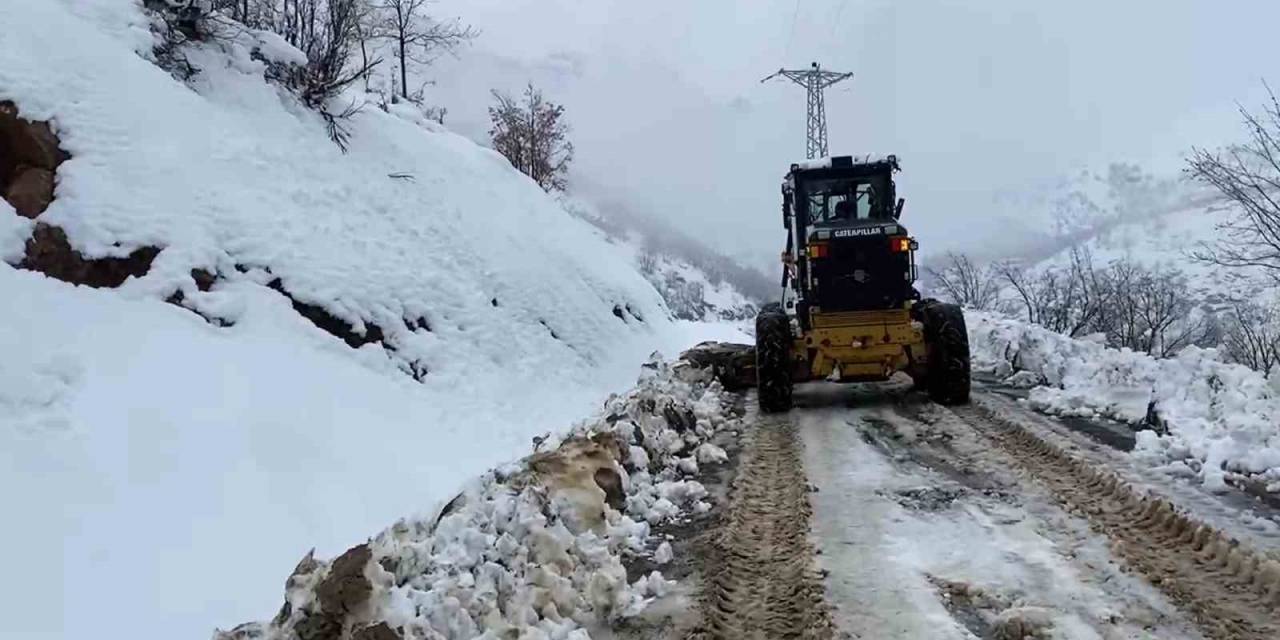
x: 967, y: 284
x: 1252, y: 337
x: 1150, y: 311
x: 365, y: 32
x: 1047, y: 296
x: 1248, y: 175
x: 1071, y: 300
x: 323, y: 30
x: 1094, y: 294
x: 533, y: 136
x: 417, y: 36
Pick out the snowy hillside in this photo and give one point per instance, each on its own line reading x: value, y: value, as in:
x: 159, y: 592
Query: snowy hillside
x: 318, y: 342
x: 691, y: 295
x: 696, y: 283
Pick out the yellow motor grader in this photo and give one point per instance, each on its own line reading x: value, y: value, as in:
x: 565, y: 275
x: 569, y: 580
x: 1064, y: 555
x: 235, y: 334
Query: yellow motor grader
x: 850, y: 311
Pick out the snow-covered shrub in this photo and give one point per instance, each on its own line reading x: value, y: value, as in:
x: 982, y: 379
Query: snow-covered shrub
x: 174, y: 24
x: 690, y: 292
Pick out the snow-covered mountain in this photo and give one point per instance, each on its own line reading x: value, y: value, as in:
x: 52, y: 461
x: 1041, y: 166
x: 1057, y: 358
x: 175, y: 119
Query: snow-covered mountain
x: 1160, y: 220
x: 1088, y: 203
x: 311, y: 344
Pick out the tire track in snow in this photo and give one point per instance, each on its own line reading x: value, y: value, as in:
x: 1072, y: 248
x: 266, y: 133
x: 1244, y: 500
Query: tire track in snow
x: 763, y: 582
x: 1233, y: 592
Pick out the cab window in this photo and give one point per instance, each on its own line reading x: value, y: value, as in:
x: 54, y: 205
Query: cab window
x: 834, y: 202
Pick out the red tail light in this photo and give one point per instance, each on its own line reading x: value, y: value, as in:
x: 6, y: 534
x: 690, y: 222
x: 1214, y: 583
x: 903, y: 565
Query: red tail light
x: 818, y: 250
x: 901, y: 244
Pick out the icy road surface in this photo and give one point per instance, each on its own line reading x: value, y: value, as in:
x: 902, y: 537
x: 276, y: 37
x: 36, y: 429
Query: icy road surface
x: 984, y: 521
x: 924, y: 535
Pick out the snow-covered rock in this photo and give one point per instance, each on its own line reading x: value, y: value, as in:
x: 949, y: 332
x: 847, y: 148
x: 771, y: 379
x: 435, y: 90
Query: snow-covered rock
x: 663, y: 554
x: 711, y: 454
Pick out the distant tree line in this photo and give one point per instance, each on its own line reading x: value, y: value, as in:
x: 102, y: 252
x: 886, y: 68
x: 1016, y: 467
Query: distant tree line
x: 1134, y: 306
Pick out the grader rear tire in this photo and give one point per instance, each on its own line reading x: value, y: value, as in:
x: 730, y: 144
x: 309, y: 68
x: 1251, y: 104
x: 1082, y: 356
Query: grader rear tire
x: 773, y: 359
x: 948, y: 377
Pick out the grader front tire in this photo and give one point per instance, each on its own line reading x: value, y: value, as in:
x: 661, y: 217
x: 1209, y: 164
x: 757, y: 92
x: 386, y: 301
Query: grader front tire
x: 773, y: 359
x: 948, y: 378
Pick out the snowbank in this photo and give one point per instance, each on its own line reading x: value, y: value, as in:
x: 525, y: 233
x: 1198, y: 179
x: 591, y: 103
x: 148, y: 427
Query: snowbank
x: 1203, y: 418
x: 534, y: 549
x: 159, y: 471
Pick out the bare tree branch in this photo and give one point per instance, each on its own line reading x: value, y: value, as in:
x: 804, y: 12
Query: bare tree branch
x: 1248, y: 175
x: 416, y: 35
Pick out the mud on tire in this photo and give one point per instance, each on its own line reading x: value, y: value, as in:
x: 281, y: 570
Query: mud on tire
x: 773, y: 359
x: 947, y: 379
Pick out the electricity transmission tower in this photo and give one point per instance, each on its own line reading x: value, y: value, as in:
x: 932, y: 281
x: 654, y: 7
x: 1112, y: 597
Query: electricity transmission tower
x: 814, y: 80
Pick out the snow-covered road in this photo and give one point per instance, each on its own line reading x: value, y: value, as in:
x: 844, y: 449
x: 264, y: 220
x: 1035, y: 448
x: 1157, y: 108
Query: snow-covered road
x: 924, y: 534
x: 986, y: 521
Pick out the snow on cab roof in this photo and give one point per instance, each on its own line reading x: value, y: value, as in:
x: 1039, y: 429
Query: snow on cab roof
x: 825, y: 163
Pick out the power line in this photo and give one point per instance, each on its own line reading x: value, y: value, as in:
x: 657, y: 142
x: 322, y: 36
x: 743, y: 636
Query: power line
x: 791, y: 33
x: 815, y: 81
x: 835, y: 25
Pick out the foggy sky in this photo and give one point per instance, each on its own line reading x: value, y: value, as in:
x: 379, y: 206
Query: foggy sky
x: 669, y: 114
